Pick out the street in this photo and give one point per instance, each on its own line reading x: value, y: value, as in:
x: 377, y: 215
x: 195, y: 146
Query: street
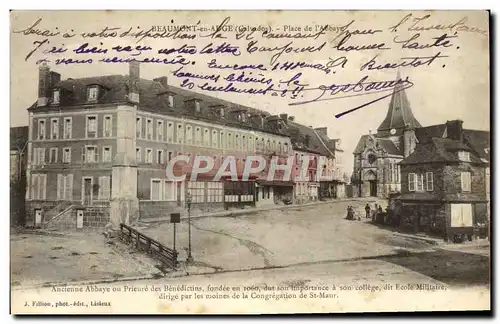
x: 295, y: 245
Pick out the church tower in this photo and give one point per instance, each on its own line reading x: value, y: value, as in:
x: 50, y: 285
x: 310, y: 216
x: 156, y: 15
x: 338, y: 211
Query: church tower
x: 399, y: 116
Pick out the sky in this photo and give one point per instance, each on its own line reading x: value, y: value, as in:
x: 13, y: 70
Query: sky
x: 456, y: 87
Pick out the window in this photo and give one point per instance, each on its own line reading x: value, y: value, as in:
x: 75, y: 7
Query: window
x: 198, y: 136
x: 39, y: 156
x: 197, y: 106
x: 91, y: 126
x: 41, y: 129
x: 53, y: 155
x: 92, y: 93
x: 464, y: 156
x: 222, y: 112
x: 398, y: 170
x: 55, y: 96
x: 169, y: 155
x: 90, y: 154
x: 171, y: 101
x: 466, y: 181
x: 160, y: 158
x: 268, y: 145
x: 54, y: 128
x: 156, y: 189
x: 64, y: 187
x: 149, y: 129
x: 66, y: 155
x: 197, y: 191
x: 68, y: 128
x: 250, y: 143
x: 411, y: 181
x: 420, y: 182
x: 159, y: 130
x: 106, y: 154
x: 180, y: 135
x: 138, y: 155
x: 104, y: 188
x: 189, y: 134
x: 170, y: 132
x: 206, y: 137
x: 108, y: 124
x: 429, y: 181
x: 229, y: 141
x: 138, y: 127
x: 149, y: 155
x: 38, y: 186
x: 237, y: 141
x: 222, y: 140
x: 215, y: 192
x: 169, y: 191
x: 215, y: 139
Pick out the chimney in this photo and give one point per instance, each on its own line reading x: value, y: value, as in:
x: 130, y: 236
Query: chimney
x: 291, y: 118
x: 284, y: 117
x: 55, y: 78
x: 134, y: 76
x: 43, y: 84
x: 162, y: 80
x: 322, y: 130
x: 454, y: 129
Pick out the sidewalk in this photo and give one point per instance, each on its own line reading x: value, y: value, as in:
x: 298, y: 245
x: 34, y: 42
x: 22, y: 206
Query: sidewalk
x: 249, y: 211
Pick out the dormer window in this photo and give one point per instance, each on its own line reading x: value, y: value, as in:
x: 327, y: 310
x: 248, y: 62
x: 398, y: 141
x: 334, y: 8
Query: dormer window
x: 464, y: 156
x: 222, y: 112
x: 92, y: 93
x: 171, y: 101
x: 197, y: 106
x: 55, y: 96
x: 243, y: 117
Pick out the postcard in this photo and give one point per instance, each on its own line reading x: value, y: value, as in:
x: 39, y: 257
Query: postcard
x: 249, y: 162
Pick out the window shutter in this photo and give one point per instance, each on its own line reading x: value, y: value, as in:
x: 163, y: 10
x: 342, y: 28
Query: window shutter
x: 69, y: 187
x: 34, y: 186
x: 43, y: 155
x: 107, y: 187
x: 83, y: 155
x: 44, y: 186
x: 60, y: 187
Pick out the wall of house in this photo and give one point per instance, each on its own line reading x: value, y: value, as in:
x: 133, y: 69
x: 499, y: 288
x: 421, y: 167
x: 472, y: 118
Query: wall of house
x: 453, y: 184
x: 439, y: 179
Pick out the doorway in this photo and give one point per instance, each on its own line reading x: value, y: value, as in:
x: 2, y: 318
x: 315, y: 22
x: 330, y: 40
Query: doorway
x: 38, y: 217
x: 87, y: 191
x: 373, y: 188
x: 79, y: 218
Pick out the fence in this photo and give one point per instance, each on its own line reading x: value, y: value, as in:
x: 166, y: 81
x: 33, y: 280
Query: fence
x: 144, y: 243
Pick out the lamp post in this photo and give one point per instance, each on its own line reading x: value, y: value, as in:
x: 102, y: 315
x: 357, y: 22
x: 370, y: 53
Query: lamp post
x: 188, y: 201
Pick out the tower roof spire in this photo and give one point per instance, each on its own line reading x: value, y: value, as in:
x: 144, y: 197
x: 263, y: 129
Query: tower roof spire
x: 399, y: 114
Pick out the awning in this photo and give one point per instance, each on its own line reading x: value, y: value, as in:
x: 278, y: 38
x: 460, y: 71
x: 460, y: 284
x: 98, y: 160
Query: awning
x: 275, y: 183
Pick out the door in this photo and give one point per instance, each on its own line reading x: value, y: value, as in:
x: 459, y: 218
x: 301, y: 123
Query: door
x: 79, y: 218
x: 373, y: 188
x: 87, y: 191
x: 38, y: 217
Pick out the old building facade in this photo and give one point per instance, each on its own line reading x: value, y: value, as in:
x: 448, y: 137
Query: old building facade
x: 98, y: 150
x: 445, y: 181
x: 376, y: 172
x: 18, y: 164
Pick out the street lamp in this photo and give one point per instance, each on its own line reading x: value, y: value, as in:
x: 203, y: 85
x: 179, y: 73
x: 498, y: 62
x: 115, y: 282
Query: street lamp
x: 188, y: 201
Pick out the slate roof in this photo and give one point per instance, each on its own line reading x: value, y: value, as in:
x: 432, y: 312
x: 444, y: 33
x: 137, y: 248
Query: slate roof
x: 115, y: 90
x: 439, y: 150
x: 479, y: 141
x: 425, y: 133
x: 18, y: 137
x: 318, y: 142
x: 399, y: 114
x: 384, y: 143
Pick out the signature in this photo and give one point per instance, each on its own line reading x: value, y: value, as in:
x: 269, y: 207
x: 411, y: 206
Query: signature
x: 360, y: 88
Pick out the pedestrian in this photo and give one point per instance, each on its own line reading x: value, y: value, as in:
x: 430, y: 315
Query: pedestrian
x: 350, y: 214
x: 367, y: 209
x: 108, y: 231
